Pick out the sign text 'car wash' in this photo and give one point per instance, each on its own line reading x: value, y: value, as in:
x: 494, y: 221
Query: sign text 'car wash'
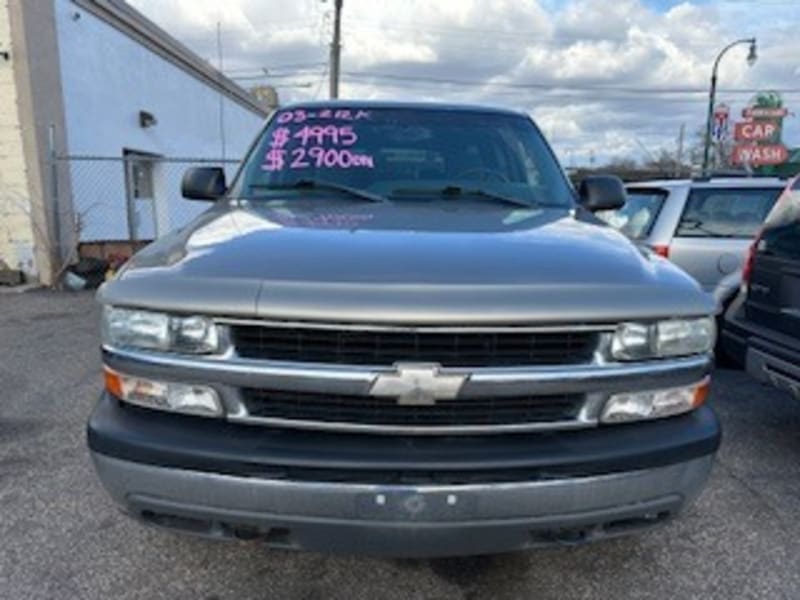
x: 758, y: 136
x: 756, y: 131
x: 759, y: 154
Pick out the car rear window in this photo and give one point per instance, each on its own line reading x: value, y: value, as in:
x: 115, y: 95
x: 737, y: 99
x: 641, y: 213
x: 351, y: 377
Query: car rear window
x: 636, y: 218
x: 781, y: 234
x: 726, y: 213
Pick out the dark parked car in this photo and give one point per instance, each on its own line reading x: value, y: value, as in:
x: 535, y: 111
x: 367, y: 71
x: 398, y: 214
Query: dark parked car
x: 762, y: 327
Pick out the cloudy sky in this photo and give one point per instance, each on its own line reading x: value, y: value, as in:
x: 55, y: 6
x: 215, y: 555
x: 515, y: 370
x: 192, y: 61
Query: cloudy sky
x: 602, y: 78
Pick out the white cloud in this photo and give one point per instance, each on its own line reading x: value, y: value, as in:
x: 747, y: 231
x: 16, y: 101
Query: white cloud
x: 592, y: 20
x: 497, y: 44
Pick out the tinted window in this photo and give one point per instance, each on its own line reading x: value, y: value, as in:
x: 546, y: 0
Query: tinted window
x: 381, y: 150
x: 727, y: 213
x: 781, y: 235
x: 635, y: 219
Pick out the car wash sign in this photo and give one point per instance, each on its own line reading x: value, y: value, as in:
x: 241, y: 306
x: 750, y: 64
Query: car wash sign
x: 758, y: 135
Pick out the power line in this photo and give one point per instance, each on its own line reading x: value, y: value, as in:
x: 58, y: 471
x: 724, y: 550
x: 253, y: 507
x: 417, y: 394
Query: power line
x: 277, y: 27
x: 320, y: 83
x: 277, y: 67
x: 273, y: 76
x: 551, y: 86
x: 303, y: 84
x: 545, y: 97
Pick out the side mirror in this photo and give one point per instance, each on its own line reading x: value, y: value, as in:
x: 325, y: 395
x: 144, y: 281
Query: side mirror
x: 203, y: 183
x: 602, y: 192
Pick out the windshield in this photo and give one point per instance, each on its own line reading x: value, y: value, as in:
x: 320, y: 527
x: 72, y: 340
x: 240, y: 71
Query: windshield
x: 403, y: 155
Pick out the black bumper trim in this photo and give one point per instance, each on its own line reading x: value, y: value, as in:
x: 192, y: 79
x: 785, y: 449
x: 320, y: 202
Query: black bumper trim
x: 420, y: 540
x: 202, y: 444
x: 739, y: 333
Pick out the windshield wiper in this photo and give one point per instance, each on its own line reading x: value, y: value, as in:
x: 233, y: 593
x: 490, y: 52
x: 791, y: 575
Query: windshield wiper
x: 457, y: 190
x: 318, y: 184
x: 699, y: 226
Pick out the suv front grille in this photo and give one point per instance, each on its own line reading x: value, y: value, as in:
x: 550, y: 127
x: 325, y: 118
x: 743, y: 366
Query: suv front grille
x: 367, y: 347
x: 369, y: 410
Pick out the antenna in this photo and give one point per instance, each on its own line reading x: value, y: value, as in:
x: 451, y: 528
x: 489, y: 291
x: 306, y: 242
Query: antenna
x: 221, y: 88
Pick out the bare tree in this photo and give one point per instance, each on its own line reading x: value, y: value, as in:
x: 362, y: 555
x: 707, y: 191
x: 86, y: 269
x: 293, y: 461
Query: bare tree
x: 12, y: 196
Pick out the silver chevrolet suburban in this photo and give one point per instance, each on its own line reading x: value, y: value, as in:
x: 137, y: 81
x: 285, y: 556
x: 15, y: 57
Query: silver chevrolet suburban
x: 399, y: 331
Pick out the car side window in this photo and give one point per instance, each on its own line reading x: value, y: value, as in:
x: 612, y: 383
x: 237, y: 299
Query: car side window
x: 781, y: 234
x: 725, y: 213
x: 783, y: 241
x: 640, y: 211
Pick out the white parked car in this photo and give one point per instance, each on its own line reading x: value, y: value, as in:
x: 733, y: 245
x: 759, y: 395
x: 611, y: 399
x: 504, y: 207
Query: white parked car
x: 705, y: 226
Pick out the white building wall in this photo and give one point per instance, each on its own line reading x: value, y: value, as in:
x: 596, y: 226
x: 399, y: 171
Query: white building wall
x: 107, y: 79
x: 16, y: 222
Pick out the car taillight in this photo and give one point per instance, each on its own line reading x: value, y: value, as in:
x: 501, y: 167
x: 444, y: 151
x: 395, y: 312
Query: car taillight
x: 747, y: 268
x: 661, y: 250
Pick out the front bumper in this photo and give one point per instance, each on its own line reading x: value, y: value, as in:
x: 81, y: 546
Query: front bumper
x: 402, y: 520
x: 381, y: 496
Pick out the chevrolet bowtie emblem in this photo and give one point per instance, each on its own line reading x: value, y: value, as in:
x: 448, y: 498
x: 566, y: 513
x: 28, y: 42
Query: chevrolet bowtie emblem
x: 417, y: 384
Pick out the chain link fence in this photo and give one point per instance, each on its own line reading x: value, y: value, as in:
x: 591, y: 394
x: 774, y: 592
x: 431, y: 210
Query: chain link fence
x: 132, y: 198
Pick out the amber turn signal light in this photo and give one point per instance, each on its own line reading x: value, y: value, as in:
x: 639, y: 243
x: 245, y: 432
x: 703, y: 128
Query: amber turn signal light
x: 113, y: 382
x: 701, y: 392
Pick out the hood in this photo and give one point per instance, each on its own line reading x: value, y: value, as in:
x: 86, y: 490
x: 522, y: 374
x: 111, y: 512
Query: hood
x: 429, y: 262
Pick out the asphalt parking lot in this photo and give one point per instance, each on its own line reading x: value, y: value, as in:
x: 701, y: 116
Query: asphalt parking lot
x: 60, y: 537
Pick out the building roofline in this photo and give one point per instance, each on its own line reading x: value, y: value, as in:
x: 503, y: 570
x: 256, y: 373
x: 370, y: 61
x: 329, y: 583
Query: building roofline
x: 126, y: 19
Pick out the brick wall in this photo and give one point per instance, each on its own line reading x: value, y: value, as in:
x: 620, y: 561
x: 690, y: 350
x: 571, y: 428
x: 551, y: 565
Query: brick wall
x: 16, y: 228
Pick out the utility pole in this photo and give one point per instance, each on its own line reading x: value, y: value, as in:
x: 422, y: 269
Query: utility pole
x: 336, y: 48
x: 679, y: 157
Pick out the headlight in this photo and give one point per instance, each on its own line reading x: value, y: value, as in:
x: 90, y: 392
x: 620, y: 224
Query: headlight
x: 123, y: 327
x: 164, y: 395
x: 663, y: 339
x: 654, y: 404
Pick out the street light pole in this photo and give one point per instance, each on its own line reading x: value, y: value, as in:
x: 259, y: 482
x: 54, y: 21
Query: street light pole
x: 336, y: 49
x: 751, y: 58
